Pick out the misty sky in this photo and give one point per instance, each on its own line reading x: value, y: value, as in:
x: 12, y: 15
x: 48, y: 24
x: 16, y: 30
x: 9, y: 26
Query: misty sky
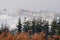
x: 33, y: 5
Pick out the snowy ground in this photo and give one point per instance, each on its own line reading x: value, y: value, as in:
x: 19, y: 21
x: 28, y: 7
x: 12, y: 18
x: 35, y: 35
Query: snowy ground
x: 12, y: 20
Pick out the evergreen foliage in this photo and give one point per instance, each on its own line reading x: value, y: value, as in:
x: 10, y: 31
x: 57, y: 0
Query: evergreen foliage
x: 54, y: 26
x: 58, y: 28
x: 19, y: 25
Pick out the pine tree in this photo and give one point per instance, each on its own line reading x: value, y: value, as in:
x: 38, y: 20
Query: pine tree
x: 31, y: 26
x: 54, y: 26
x: 19, y: 26
x: 26, y: 25
x: 2, y: 26
x: 58, y: 28
x: 39, y: 26
x: 46, y: 28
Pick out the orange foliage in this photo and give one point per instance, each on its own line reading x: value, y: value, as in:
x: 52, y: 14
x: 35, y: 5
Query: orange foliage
x: 7, y: 37
x: 42, y: 35
x: 35, y: 37
x: 25, y: 36
x: 22, y: 36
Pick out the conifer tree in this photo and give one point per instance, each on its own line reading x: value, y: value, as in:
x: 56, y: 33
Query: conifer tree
x: 33, y: 26
x: 26, y: 25
x: 39, y: 26
x: 1, y: 28
x: 46, y: 28
x: 54, y: 26
x: 58, y: 28
x: 19, y: 25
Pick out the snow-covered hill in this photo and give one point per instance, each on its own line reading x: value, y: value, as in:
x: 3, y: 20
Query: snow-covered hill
x: 12, y: 18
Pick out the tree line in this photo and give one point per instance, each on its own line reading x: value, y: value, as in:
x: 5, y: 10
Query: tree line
x: 35, y: 26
